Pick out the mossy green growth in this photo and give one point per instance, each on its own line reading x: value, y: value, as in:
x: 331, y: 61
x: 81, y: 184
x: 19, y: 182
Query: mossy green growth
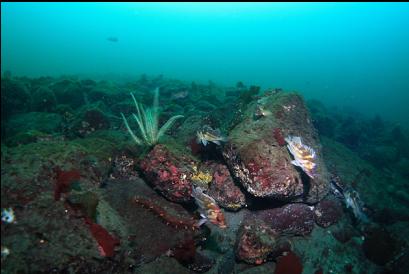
x: 75, y: 185
x: 178, y: 148
x: 212, y: 244
x: 87, y: 202
x: 22, y: 138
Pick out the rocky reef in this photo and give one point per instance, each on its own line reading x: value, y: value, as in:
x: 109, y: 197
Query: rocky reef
x: 80, y: 196
x: 258, y: 157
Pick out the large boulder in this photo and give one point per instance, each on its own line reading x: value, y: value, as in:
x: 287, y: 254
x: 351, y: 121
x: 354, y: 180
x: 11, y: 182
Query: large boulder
x: 257, y: 242
x: 150, y: 227
x: 223, y: 188
x: 39, y: 121
x: 69, y: 92
x: 169, y: 172
x: 15, y: 98
x: 291, y: 219
x: 257, y: 154
x: 327, y: 212
x: 43, y: 100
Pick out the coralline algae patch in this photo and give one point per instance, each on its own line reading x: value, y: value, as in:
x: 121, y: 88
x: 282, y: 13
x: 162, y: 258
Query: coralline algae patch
x: 166, y: 171
x: 64, y: 179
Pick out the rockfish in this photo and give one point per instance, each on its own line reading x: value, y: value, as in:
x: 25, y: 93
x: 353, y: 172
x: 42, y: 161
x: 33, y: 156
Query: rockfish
x: 353, y: 201
x: 179, y: 95
x: 207, y: 134
x: 304, y: 156
x: 209, y: 208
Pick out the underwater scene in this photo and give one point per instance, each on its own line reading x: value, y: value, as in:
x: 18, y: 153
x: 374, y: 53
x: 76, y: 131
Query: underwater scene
x: 205, y: 138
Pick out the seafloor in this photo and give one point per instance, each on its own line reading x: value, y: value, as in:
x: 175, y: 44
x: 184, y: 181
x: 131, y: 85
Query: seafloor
x: 87, y: 199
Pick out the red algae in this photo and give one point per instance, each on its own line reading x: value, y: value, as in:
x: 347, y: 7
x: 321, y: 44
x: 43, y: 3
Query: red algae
x: 194, y: 146
x: 279, y: 114
x: 106, y: 241
x: 289, y: 264
x: 278, y: 135
x: 185, y: 252
x: 167, y: 172
x: 64, y: 180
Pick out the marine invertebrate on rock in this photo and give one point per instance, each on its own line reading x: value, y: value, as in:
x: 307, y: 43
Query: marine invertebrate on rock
x: 7, y: 215
x: 148, y: 122
x: 177, y: 222
x: 304, y: 155
x: 124, y: 167
x: 202, y: 178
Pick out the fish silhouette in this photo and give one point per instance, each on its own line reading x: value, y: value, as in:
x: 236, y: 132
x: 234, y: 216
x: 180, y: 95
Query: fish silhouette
x: 113, y: 39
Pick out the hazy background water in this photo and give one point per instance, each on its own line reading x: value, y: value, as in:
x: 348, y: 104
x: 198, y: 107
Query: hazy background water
x: 345, y: 54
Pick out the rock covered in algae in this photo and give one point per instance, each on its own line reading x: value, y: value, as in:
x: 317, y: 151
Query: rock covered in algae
x: 223, y: 189
x: 142, y: 229
x: 294, y: 219
x: 257, y: 242
x: 86, y: 202
x: 169, y: 172
x: 327, y: 212
x: 259, y: 159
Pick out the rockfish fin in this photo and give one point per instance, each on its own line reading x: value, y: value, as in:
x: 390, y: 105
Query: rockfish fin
x: 296, y: 163
x: 202, y: 221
